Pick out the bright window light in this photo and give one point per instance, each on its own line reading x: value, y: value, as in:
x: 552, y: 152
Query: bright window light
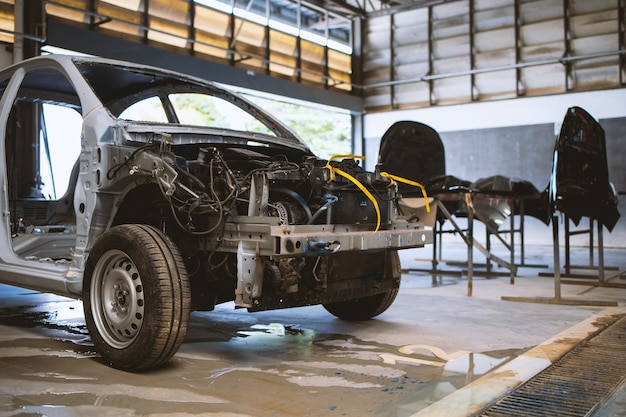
x: 338, y: 46
x: 252, y: 17
x: 222, y: 7
x: 313, y: 37
x: 282, y: 27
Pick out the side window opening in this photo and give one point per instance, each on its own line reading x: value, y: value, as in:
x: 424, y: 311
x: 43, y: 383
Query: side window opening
x: 59, y: 148
x: 204, y: 110
x: 42, y: 137
x: 147, y: 110
x: 42, y: 145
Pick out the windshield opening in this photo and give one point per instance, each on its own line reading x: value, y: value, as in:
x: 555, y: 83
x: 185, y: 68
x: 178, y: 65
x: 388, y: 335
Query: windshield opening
x: 194, y: 109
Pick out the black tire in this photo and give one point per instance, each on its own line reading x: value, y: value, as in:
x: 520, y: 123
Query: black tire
x: 365, y: 308
x: 136, y: 297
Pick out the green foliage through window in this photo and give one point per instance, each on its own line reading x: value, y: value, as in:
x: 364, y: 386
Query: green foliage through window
x: 326, y: 132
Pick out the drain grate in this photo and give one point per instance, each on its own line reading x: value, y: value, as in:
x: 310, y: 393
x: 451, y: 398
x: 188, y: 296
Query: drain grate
x: 575, y: 384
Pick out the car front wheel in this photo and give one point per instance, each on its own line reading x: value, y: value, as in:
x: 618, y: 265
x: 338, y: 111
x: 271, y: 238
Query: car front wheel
x: 365, y: 308
x: 362, y: 308
x: 136, y: 297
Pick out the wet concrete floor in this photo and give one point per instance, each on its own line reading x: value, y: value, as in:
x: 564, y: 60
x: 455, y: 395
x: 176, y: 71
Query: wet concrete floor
x: 434, y: 342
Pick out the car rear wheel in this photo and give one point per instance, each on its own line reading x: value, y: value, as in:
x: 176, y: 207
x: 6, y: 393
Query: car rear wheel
x: 136, y: 297
x: 371, y: 306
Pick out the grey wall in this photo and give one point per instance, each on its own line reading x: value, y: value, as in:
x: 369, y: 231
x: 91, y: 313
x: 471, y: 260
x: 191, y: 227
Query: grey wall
x: 615, y: 131
x: 524, y: 152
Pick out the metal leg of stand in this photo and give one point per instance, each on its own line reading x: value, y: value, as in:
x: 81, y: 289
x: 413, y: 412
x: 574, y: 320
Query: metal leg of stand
x: 522, y: 239
x: 557, y: 258
x: 470, y: 253
x: 435, y: 239
x: 567, y: 259
x: 488, y: 246
x: 440, y: 256
x: 512, y: 218
x: 600, y: 252
x: 591, y: 241
x: 435, y: 261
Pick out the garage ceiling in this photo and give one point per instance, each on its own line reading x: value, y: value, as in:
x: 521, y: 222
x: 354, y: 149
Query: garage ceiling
x: 388, y: 54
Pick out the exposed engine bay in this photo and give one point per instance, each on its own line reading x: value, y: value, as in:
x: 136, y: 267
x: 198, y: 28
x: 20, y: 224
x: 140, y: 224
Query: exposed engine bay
x: 245, y: 182
x: 257, y: 217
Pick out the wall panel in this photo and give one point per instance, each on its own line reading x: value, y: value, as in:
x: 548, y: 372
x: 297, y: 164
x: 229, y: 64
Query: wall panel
x: 6, y: 20
x: 479, y: 50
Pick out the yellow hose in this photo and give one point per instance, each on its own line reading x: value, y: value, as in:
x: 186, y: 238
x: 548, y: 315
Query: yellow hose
x: 333, y: 170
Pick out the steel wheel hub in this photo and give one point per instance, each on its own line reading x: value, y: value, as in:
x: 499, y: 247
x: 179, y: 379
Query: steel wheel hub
x: 117, y: 299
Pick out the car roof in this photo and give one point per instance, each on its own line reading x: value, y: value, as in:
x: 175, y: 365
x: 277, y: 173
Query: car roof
x: 113, y: 81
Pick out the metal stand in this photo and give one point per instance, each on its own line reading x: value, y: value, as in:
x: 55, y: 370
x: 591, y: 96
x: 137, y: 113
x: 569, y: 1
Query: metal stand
x: 438, y: 233
x: 557, y: 299
x: 598, y: 280
x: 586, y: 279
x: 468, y: 238
x: 519, y: 230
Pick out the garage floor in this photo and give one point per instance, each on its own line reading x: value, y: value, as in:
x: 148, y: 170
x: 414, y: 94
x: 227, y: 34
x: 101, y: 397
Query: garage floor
x: 435, y: 352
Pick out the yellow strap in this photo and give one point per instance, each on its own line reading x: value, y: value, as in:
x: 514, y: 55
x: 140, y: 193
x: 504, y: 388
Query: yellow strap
x: 344, y: 156
x: 365, y: 191
x: 409, y: 182
x: 348, y: 156
x: 369, y: 195
x: 356, y: 182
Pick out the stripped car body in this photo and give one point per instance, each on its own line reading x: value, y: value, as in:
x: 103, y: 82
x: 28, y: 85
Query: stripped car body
x: 181, y: 211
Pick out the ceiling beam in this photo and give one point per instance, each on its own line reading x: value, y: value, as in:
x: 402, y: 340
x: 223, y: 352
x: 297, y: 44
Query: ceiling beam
x: 388, y: 7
